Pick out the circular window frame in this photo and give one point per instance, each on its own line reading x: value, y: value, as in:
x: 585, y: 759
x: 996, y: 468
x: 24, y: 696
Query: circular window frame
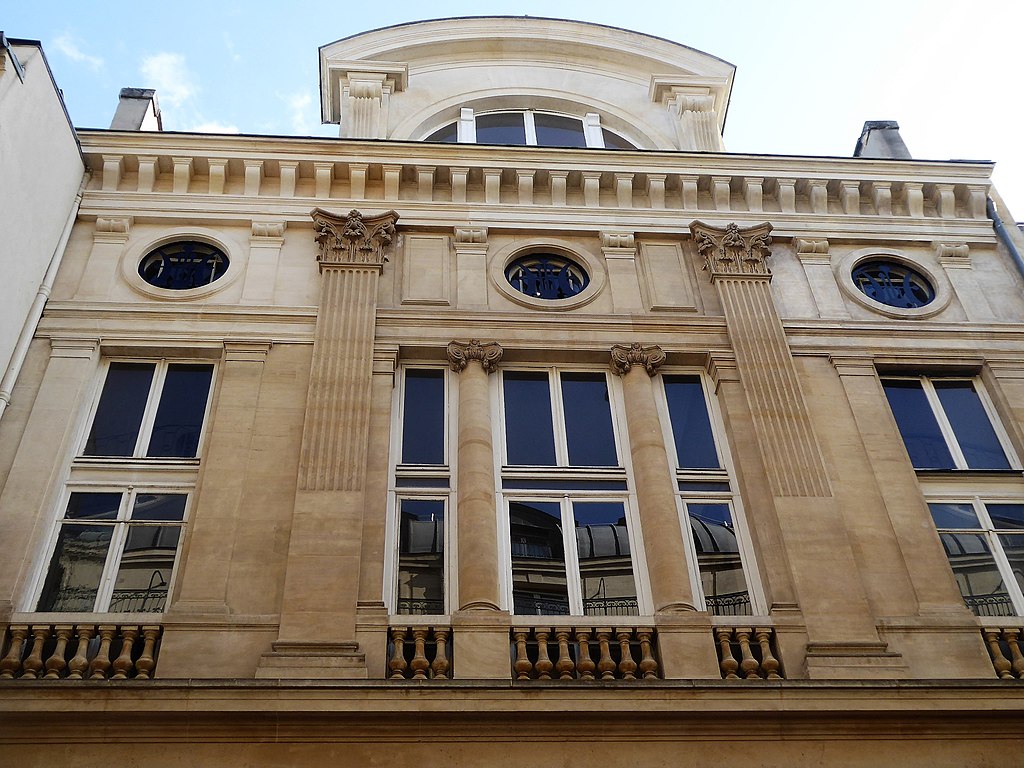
x: 843, y: 271
x: 134, y: 256
x: 591, y: 265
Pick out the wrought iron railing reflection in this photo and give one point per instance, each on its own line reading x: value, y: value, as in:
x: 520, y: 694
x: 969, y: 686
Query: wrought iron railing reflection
x: 734, y: 604
x: 990, y: 605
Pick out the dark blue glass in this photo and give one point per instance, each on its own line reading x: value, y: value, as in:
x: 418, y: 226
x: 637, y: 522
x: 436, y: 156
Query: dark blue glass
x: 423, y: 417
x: 501, y: 128
x: 973, y: 430
x: 1006, y: 515
x: 954, y: 515
x: 93, y: 506
x: 893, y: 284
x: 614, y: 141
x: 691, y: 427
x: 558, y: 131
x: 115, y: 428
x: 548, y: 484
x: 183, y: 265
x: 179, y: 417
x: 546, y: 276
x: 921, y: 435
x: 449, y: 134
x: 588, y: 420
x: 529, y: 438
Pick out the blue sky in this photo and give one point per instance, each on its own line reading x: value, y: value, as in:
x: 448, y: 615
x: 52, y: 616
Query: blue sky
x: 809, y: 73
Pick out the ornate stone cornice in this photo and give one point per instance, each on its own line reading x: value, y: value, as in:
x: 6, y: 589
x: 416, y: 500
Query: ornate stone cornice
x: 624, y: 358
x: 353, y: 240
x: 460, y: 353
x: 734, y: 250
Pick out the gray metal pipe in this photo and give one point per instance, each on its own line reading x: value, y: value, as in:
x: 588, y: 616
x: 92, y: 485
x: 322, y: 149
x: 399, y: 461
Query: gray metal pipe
x: 997, y: 222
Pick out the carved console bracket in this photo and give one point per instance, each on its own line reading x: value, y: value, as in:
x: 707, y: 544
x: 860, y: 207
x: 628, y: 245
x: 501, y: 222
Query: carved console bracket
x: 624, y: 358
x: 354, y: 240
x: 734, y: 250
x: 460, y: 353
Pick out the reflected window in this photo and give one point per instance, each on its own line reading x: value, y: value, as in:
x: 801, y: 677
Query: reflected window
x: 420, y: 580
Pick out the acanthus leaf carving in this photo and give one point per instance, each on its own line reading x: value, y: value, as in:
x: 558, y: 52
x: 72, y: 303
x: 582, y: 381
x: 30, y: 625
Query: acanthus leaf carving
x: 624, y: 358
x: 355, y: 239
x: 734, y: 250
x: 460, y: 353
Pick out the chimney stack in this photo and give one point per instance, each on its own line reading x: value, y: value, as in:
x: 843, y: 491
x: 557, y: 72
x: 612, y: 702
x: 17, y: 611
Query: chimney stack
x: 138, y: 110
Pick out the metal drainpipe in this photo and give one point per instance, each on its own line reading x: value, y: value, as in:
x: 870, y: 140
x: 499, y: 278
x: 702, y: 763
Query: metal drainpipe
x: 997, y: 222
x: 36, y: 311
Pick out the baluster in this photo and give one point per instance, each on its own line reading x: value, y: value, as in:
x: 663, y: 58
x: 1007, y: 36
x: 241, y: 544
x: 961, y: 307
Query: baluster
x: 543, y: 665
x: 769, y: 663
x: 101, y: 663
x: 1000, y: 662
x: 440, y: 666
x: 10, y: 665
x: 564, y: 665
x: 522, y: 666
x: 648, y: 664
x: 585, y: 665
x: 729, y: 664
x: 749, y: 665
x: 627, y: 667
x: 123, y: 663
x: 1010, y: 636
x: 80, y: 663
x: 33, y: 663
x: 419, y: 665
x: 56, y: 663
x: 605, y: 665
x: 144, y: 666
x: 397, y: 665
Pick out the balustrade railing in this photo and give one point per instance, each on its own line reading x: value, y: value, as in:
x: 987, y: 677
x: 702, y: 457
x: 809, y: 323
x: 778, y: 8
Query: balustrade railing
x: 1004, y: 646
x: 419, y: 653
x: 747, y: 652
x: 584, y: 653
x: 80, y: 651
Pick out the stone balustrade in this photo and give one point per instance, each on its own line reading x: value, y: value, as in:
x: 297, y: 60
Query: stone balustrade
x: 419, y: 652
x: 80, y: 651
x: 1004, y: 646
x: 584, y: 653
x: 747, y: 653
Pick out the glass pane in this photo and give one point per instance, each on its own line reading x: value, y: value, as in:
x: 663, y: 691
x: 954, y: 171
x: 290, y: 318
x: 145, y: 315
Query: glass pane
x: 421, y: 556
x: 971, y: 425
x: 1006, y: 515
x: 145, y: 570
x: 588, y: 420
x: 698, y: 485
x: 179, y: 417
x: 917, y: 425
x: 93, y: 506
x: 614, y: 141
x: 76, y: 567
x: 164, y: 506
x: 976, y: 574
x: 501, y: 128
x: 529, y: 438
x: 539, y: 584
x: 558, y: 131
x: 718, y: 558
x: 606, y: 568
x: 954, y: 515
x: 1013, y: 548
x: 423, y: 418
x: 691, y: 427
x: 549, y: 484
x: 449, y: 134
x: 115, y: 428
x: 421, y: 482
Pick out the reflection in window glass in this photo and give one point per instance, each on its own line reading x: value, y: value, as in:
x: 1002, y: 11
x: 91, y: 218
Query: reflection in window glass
x: 691, y: 427
x: 449, y: 134
x: 539, y: 584
x: 614, y: 141
x: 588, y: 420
x: 971, y: 425
x: 145, y: 569
x: 179, y: 417
x: 73, y: 577
x: 558, y: 131
x: 501, y: 128
x: 606, y: 567
x: 421, y: 556
x: 115, y: 428
x: 917, y: 424
x: 529, y: 436
x: 423, y: 417
x: 718, y: 558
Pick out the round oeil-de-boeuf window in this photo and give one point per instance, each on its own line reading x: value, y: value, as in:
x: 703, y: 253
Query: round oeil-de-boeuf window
x: 547, y: 276
x: 893, y: 284
x: 182, y: 265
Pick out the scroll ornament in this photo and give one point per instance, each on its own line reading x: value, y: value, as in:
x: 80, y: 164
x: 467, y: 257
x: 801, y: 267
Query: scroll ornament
x: 489, y: 354
x: 624, y: 358
x: 353, y: 240
x: 734, y: 250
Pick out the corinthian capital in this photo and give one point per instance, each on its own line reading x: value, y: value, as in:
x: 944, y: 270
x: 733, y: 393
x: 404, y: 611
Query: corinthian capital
x: 353, y: 240
x: 460, y: 353
x: 734, y: 250
x: 624, y: 358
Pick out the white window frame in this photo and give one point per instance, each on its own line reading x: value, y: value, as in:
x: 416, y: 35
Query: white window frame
x: 466, y: 125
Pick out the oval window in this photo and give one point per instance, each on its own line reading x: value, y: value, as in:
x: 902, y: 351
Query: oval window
x: 893, y: 284
x: 547, y: 276
x: 182, y: 265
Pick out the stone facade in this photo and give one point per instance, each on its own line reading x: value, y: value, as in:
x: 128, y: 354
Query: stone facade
x: 510, y: 454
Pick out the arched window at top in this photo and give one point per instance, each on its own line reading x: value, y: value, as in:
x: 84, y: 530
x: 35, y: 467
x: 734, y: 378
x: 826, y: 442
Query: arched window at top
x: 529, y: 129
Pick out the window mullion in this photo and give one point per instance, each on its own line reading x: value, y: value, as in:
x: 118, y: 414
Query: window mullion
x: 572, y: 560
x: 558, y: 419
x: 944, y: 425
x: 1002, y: 561
x: 466, y: 126
x: 152, y: 404
x: 531, y: 129
x: 118, y: 537
x: 592, y: 130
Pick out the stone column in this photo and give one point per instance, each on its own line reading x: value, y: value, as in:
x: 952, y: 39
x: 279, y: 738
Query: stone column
x: 317, y: 632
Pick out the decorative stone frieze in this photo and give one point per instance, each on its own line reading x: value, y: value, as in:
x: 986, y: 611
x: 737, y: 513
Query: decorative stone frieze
x: 651, y: 358
x: 353, y: 240
x: 734, y: 250
x: 488, y: 354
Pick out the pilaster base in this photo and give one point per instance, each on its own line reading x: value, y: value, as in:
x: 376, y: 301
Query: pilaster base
x: 313, y: 661
x: 854, y: 661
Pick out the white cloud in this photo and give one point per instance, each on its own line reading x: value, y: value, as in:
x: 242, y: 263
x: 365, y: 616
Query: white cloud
x: 67, y: 45
x: 299, y: 109
x: 167, y: 73
x: 212, y: 126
